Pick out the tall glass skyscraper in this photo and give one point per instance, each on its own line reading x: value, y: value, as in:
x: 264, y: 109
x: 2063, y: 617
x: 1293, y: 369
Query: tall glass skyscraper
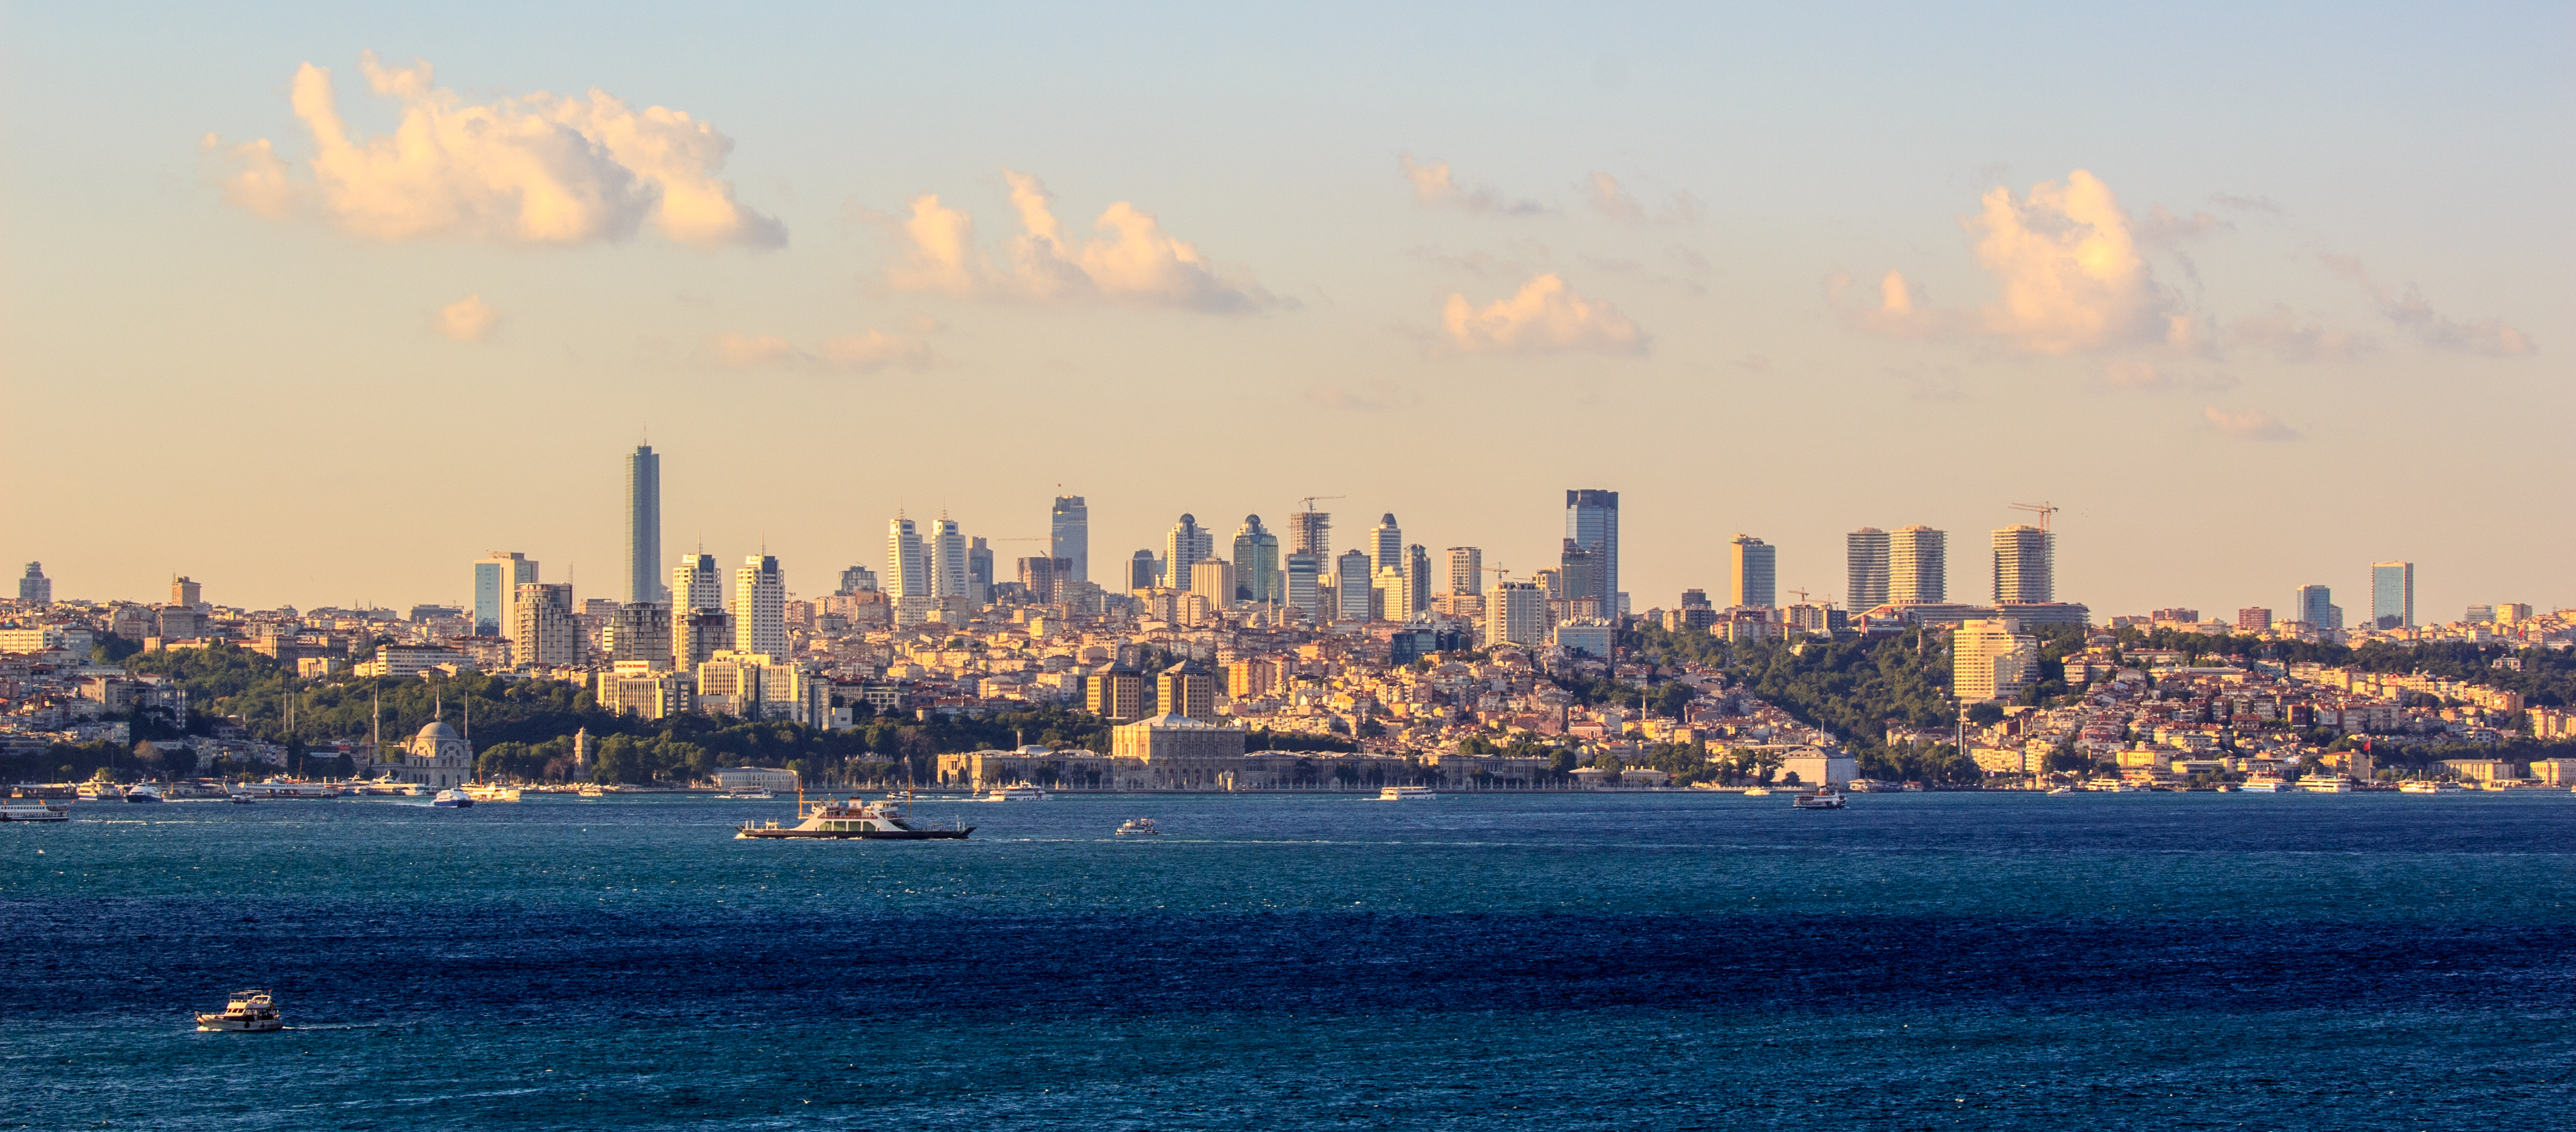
x: 2392, y: 595
x: 2025, y: 565
x: 1069, y: 534
x: 1592, y: 522
x: 1866, y: 585
x: 2315, y: 605
x: 643, y: 526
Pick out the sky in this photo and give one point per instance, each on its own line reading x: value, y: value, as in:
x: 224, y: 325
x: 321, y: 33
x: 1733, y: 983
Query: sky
x: 318, y: 303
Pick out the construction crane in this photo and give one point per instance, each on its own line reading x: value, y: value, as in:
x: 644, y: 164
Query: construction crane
x: 1501, y: 573
x: 2043, y: 510
x: 1309, y: 501
x: 1802, y: 596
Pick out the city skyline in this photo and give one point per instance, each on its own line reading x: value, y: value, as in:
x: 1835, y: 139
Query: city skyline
x: 1524, y: 213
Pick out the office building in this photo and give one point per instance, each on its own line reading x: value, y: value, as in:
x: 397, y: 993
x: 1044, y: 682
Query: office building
x: 2392, y: 595
x: 1417, y: 577
x: 2253, y: 619
x: 2025, y: 566
x: 1392, y: 596
x: 2512, y: 612
x: 2315, y: 605
x: 947, y: 551
x: 1256, y: 563
x: 858, y: 580
x: 1183, y: 546
x: 1577, y: 580
x: 698, y: 635
x: 1141, y: 571
x: 1991, y: 660
x: 1756, y: 573
x: 1386, y: 544
x: 644, y: 526
x: 760, y: 607
x: 1516, y: 614
x: 1045, y: 578
x: 1069, y: 534
x: 544, y: 631
x: 1866, y: 585
x: 1351, y: 587
x: 1187, y: 688
x: 34, y: 588
x: 1592, y: 522
x: 1301, y: 575
x: 184, y: 593
x: 1918, y: 566
x: 1213, y: 579
x: 907, y: 561
x: 497, y: 578
x: 1466, y: 570
x: 641, y: 631
x: 979, y: 573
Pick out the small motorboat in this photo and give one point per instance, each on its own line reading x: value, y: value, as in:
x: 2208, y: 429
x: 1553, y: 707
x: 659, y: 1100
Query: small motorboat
x: 2061, y: 790
x: 1018, y: 794
x: 1138, y: 827
x: 249, y: 1012
x: 452, y: 799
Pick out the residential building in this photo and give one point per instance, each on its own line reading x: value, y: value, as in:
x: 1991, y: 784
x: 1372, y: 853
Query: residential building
x: 1351, y: 588
x: 1044, y: 578
x: 760, y: 607
x: 1466, y: 570
x: 1069, y: 535
x: 1213, y: 579
x: 1183, y: 546
x: 1592, y: 522
x: 2512, y: 612
x: 1917, y: 565
x: 907, y: 561
x: 644, y: 526
x: 1866, y: 585
x: 544, y: 631
x: 1591, y: 637
x: 2253, y: 620
x: 34, y: 588
x: 1757, y: 573
x: 979, y: 573
x: 497, y: 578
x: 947, y: 550
x: 1516, y: 613
x: 1187, y: 689
x: 1118, y: 692
x: 1991, y: 660
x: 2392, y: 595
x: 1256, y: 563
x: 2025, y: 566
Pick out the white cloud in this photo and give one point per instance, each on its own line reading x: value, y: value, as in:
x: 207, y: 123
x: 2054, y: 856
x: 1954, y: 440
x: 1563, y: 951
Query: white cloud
x: 540, y: 169
x: 2490, y: 336
x: 1607, y: 198
x: 2166, y: 229
x: 466, y: 320
x: 864, y: 352
x: 1133, y: 260
x: 2252, y: 424
x: 1433, y: 186
x: 2278, y: 331
x: 2069, y: 270
x: 1544, y: 317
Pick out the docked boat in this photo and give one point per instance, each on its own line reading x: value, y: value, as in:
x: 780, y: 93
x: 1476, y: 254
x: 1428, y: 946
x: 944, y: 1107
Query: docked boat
x: 249, y: 1012
x: 491, y: 792
x: 2429, y: 786
x: 592, y: 790
x: 2264, y: 784
x: 2061, y: 789
x: 763, y: 794
x: 28, y: 809
x: 1757, y: 791
x: 1817, y: 800
x: 852, y: 819
x: 2108, y: 785
x: 144, y: 792
x: 1405, y: 793
x: 288, y: 788
x: 1018, y: 794
x: 99, y: 792
x: 2326, y: 784
x: 1869, y: 786
x: 1138, y: 827
x: 452, y: 799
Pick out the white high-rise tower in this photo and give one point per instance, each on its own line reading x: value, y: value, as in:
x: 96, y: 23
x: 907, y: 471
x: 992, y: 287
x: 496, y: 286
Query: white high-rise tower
x: 760, y: 607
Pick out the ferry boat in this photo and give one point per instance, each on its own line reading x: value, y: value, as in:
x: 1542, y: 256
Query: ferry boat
x: 249, y: 1012
x: 2326, y: 784
x: 491, y: 792
x: 452, y: 799
x: 99, y: 792
x: 1017, y: 794
x: 1825, y: 799
x: 1868, y: 786
x: 2428, y: 786
x: 1405, y: 793
x: 844, y: 820
x: 2061, y: 789
x: 143, y: 792
x: 1138, y: 827
x: 760, y: 794
x: 1757, y: 791
x: 2264, y: 784
x: 2108, y: 785
x: 28, y: 809
x: 287, y: 788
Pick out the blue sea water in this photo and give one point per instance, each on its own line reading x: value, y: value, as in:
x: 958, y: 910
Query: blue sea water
x: 1287, y: 962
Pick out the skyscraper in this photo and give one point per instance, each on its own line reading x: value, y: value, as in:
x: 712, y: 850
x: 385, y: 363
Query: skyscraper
x: 1592, y: 522
x: 497, y: 578
x: 907, y: 565
x: 643, y: 526
x: 544, y: 631
x: 1578, y: 579
x: 1918, y: 565
x: 2025, y: 565
x: 1516, y: 614
x: 1866, y: 587
x: 1213, y: 579
x: 1183, y: 546
x: 2315, y: 605
x: 1302, y: 578
x: 1351, y: 586
x: 1386, y: 544
x: 947, y: 559
x: 858, y: 580
x: 696, y: 585
x: 1466, y: 570
x: 1417, y: 576
x: 1311, y: 532
x: 1256, y: 562
x: 1069, y: 534
x: 979, y: 572
x: 35, y: 588
x: 2392, y: 595
x: 760, y: 607
x: 1757, y: 573
x: 1140, y: 571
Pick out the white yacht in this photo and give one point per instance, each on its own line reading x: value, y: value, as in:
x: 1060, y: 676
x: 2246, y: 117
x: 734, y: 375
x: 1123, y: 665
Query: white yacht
x: 1825, y: 799
x: 2264, y: 784
x: 750, y: 794
x: 1138, y: 827
x: 455, y: 798
x: 249, y: 1012
x: 2108, y: 785
x: 1403, y: 793
x: 2428, y: 786
x: 853, y: 820
x: 1017, y: 794
x: 1757, y: 791
x: 30, y: 809
x: 143, y: 792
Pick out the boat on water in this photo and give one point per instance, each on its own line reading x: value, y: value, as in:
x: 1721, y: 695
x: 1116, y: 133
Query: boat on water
x: 491, y: 792
x: 1826, y: 799
x: 592, y: 791
x: 2061, y: 789
x: 99, y: 792
x: 288, y: 788
x: 2264, y: 784
x: 2429, y: 786
x: 1868, y: 786
x: 28, y: 809
x: 1757, y: 791
x: 853, y: 820
x: 2108, y: 785
x: 1018, y: 794
x: 454, y: 798
x: 144, y: 792
x: 763, y: 794
x: 1405, y: 793
x: 2326, y: 784
x: 249, y: 1012
x: 1138, y: 827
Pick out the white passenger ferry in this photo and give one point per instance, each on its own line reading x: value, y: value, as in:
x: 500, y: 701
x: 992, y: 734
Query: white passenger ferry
x: 288, y: 788
x: 30, y: 809
x: 2106, y: 784
x: 1825, y: 799
x: 2326, y: 784
x: 1405, y: 793
x: 851, y: 819
x: 2429, y: 786
x: 1018, y: 794
x: 1138, y: 827
x: 2264, y: 784
x: 491, y: 792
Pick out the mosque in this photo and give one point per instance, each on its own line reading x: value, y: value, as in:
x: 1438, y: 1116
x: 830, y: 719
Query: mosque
x: 437, y: 758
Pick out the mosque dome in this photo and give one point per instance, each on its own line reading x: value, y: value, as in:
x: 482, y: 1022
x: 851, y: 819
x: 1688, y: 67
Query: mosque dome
x: 435, y: 731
